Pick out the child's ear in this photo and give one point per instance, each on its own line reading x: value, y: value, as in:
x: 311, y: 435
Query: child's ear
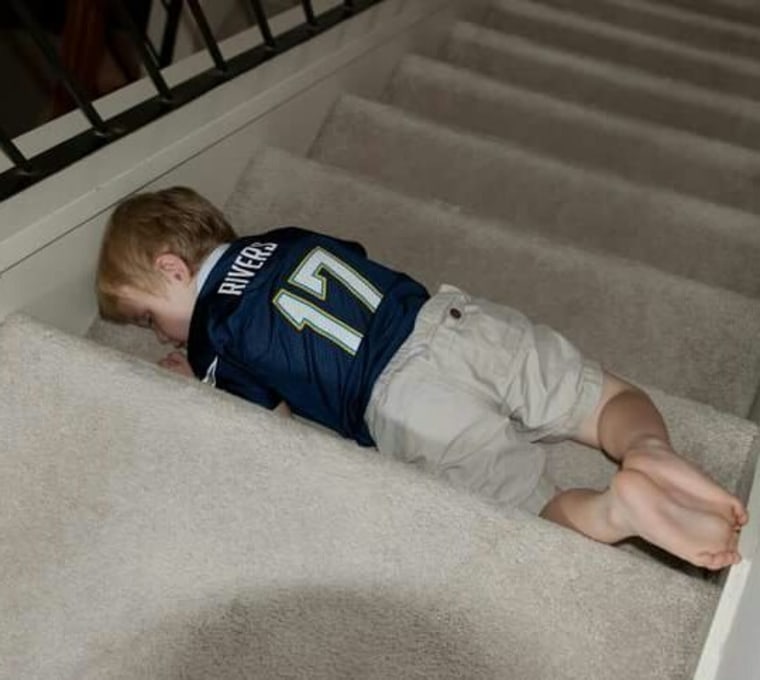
x: 173, y: 267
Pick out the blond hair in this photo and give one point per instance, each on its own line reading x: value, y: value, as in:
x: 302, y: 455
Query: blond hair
x: 143, y: 227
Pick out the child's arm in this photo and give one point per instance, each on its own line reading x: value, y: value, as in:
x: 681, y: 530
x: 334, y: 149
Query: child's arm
x: 177, y: 363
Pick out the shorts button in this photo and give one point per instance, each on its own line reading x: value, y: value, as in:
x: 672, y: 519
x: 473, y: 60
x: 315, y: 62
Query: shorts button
x: 455, y: 313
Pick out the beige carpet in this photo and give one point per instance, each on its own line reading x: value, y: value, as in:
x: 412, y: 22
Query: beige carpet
x: 154, y: 528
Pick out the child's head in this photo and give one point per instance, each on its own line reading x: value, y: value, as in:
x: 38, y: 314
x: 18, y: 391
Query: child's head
x: 153, y: 245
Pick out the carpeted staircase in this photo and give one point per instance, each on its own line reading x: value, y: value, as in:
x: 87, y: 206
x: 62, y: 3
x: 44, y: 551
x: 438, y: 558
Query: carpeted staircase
x: 593, y: 164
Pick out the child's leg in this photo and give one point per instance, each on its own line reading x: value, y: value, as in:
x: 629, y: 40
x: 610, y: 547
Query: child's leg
x: 684, y: 482
x: 635, y: 506
x: 628, y: 427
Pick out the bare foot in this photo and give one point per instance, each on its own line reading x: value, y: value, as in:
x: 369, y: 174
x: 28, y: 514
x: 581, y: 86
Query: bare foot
x: 640, y: 507
x: 686, y: 483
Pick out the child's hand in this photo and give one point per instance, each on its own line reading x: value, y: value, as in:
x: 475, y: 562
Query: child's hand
x: 177, y: 362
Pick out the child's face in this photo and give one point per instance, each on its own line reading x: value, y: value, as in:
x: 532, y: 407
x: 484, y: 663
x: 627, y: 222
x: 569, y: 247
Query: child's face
x: 167, y: 311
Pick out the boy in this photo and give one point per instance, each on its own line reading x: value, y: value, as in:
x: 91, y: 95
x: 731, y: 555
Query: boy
x: 295, y: 320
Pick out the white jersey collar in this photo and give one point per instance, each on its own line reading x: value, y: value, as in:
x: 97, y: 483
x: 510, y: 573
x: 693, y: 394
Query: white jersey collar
x: 208, y: 265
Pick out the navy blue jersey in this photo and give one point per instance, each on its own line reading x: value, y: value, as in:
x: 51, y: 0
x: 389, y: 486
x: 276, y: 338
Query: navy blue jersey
x: 296, y: 316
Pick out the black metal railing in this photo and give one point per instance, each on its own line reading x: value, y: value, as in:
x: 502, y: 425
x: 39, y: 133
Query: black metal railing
x: 173, y: 12
x: 27, y: 171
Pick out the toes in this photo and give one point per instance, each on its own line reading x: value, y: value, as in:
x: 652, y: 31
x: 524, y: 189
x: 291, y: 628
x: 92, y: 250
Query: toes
x: 730, y: 558
x: 707, y: 561
x: 740, y: 514
x: 719, y: 560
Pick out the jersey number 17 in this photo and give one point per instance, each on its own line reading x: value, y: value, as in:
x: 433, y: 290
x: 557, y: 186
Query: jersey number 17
x: 303, y: 312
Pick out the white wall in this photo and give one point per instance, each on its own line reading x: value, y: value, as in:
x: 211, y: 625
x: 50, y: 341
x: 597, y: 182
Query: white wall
x: 732, y: 651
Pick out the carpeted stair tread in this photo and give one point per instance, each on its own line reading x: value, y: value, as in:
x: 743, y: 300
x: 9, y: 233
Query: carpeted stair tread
x: 680, y: 24
x: 644, y: 152
x: 609, y: 87
x: 134, y: 340
x: 680, y: 234
x: 708, y: 436
x: 612, y: 44
x: 738, y: 13
x: 659, y: 329
x: 173, y: 532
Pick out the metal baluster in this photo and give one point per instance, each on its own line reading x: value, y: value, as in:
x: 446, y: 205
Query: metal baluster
x: 173, y: 10
x: 208, y: 36
x: 26, y: 172
x: 14, y: 154
x: 146, y: 57
x: 152, y: 49
x: 263, y: 23
x: 51, y: 56
x: 308, y: 9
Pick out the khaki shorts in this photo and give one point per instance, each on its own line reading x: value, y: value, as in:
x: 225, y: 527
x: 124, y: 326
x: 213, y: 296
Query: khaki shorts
x: 470, y: 392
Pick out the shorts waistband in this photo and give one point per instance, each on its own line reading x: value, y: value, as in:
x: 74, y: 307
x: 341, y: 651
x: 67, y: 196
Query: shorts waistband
x: 436, y: 309
x: 434, y: 312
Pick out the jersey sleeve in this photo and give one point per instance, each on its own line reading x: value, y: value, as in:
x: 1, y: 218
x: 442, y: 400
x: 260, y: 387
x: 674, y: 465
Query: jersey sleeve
x: 234, y: 378
x: 554, y: 388
x: 356, y: 247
